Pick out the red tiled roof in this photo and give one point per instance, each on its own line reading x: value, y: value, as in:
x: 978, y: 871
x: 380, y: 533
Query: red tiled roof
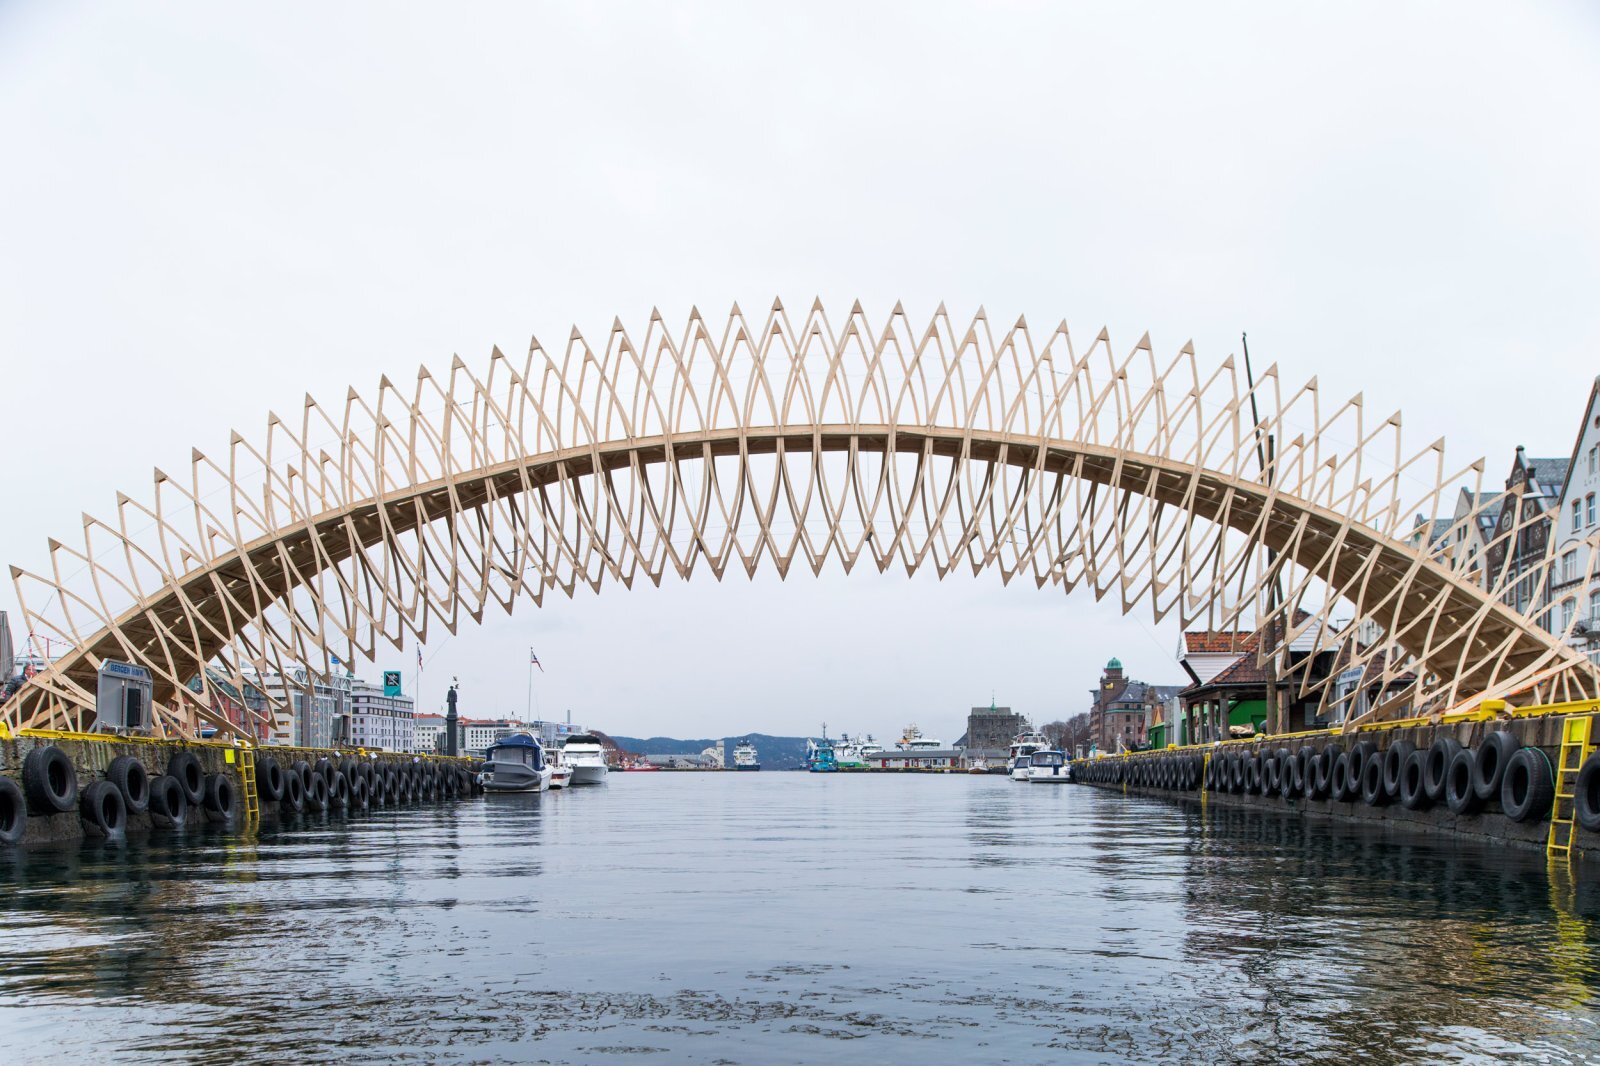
x: 1243, y: 671
x: 1219, y: 641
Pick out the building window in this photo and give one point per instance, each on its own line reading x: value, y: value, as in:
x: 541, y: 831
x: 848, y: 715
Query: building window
x: 1569, y: 566
x: 1594, y: 608
x: 1569, y: 607
x: 1577, y: 514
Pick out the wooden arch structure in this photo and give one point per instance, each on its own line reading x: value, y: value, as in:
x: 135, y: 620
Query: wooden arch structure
x: 790, y: 440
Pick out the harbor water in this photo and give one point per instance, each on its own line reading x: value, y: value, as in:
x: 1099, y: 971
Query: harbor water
x: 784, y: 917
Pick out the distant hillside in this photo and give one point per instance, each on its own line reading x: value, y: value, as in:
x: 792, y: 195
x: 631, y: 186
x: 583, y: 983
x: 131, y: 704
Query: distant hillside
x: 776, y: 753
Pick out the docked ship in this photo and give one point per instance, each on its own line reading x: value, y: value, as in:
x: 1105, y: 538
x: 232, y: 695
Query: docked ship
x: 744, y: 756
x: 587, y: 757
x: 819, y: 756
x: 515, y: 763
x: 1022, y: 749
x: 848, y: 753
x: 913, y: 740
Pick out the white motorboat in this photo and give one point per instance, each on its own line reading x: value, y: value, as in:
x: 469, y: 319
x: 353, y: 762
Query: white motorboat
x: 560, y: 772
x: 1022, y: 748
x: 584, y: 753
x: 1048, y: 767
x: 515, y: 763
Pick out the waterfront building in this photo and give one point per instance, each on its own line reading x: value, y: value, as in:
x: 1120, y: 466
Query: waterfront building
x: 427, y: 733
x: 917, y: 759
x: 714, y: 756
x: 246, y: 709
x: 1522, y: 533
x: 300, y: 707
x: 379, y: 722
x: 1574, y: 589
x: 479, y: 733
x: 1229, y: 682
x: 1163, y: 712
x: 8, y: 655
x: 992, y: 727
x: 1120, y: 710
x: 1475, y: 515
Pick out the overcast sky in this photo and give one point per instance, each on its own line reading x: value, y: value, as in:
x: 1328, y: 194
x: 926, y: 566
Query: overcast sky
x: 208, y: 212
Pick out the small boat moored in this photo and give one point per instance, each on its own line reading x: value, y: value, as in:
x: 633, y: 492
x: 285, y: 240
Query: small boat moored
x: 560, y: 772
x: 1048, y: 767
x: 515, y: 763
x: 1022, y: 749
x: 586, y: 756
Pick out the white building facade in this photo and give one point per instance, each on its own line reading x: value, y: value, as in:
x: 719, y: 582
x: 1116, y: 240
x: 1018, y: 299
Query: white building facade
x: 427, y: 729
x: 379, y: 722
x: 1574, y: 582
x: 304, y: 707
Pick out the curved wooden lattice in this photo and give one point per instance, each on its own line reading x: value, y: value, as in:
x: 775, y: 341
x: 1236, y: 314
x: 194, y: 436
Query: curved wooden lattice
x: 792, y: 440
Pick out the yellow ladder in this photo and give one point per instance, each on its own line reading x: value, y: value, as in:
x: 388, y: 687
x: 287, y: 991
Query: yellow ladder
x: 247, y: 781
x: 1575, y: 748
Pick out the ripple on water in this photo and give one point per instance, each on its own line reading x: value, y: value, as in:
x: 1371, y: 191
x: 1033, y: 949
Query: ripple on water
x: 745, y: 918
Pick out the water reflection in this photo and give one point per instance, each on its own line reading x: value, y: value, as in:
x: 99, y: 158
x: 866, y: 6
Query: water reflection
x: 782, y: 918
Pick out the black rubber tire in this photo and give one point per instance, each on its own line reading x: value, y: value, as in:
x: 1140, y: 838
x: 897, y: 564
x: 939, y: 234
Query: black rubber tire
x: 317, y: 794
x: 185, y: 767
x: 1394, y: 763
x: 350, y: 770
x: 1373, y: 794
x: 375, y: 791
x: 294, y: 793
x: 1290, y: 783
x: 391, y: 787
x: 221, y: 798
x: 1458, y: 791
x: 1586, y: 799
x: 302, y: 770
x: 168, y: 799
x: 1413, y: 797
x: 326, y: 768
x: 132, y: 780
x: 1492, y: 757
x: 13, y: 812
x: 102, y: 809
x: 339, y: 793
x: 1360, y: 752
x: 1527, y: 785
x: 1330, y: 756
x: 1436, y: 767
x: 1339, y: 780
x: 1269, y: 774
x: 358, y: 795
x: 269, y: 779
x: 50, y: 781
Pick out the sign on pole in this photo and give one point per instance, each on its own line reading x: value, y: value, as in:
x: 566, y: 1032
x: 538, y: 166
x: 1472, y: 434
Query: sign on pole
x: 391, y: 682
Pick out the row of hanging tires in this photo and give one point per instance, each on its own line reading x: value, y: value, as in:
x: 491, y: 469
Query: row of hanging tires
x: 1500, y: 769
x: 358, y: 784
x: 49, y: 785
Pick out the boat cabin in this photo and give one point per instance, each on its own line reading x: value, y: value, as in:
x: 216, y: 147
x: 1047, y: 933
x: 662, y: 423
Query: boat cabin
x: 520, y: 749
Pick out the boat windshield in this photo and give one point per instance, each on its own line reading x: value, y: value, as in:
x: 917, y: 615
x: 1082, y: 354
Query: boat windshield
x: 1049, y: 758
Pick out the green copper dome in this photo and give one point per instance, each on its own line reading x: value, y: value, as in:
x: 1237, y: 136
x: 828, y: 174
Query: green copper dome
x: 1114, y: 664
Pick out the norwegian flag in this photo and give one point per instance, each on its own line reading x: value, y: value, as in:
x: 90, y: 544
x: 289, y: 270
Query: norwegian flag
x: 534, y: 659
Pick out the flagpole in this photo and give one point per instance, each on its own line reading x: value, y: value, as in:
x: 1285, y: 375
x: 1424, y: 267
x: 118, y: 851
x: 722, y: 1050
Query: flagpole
x: 528, y: 715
